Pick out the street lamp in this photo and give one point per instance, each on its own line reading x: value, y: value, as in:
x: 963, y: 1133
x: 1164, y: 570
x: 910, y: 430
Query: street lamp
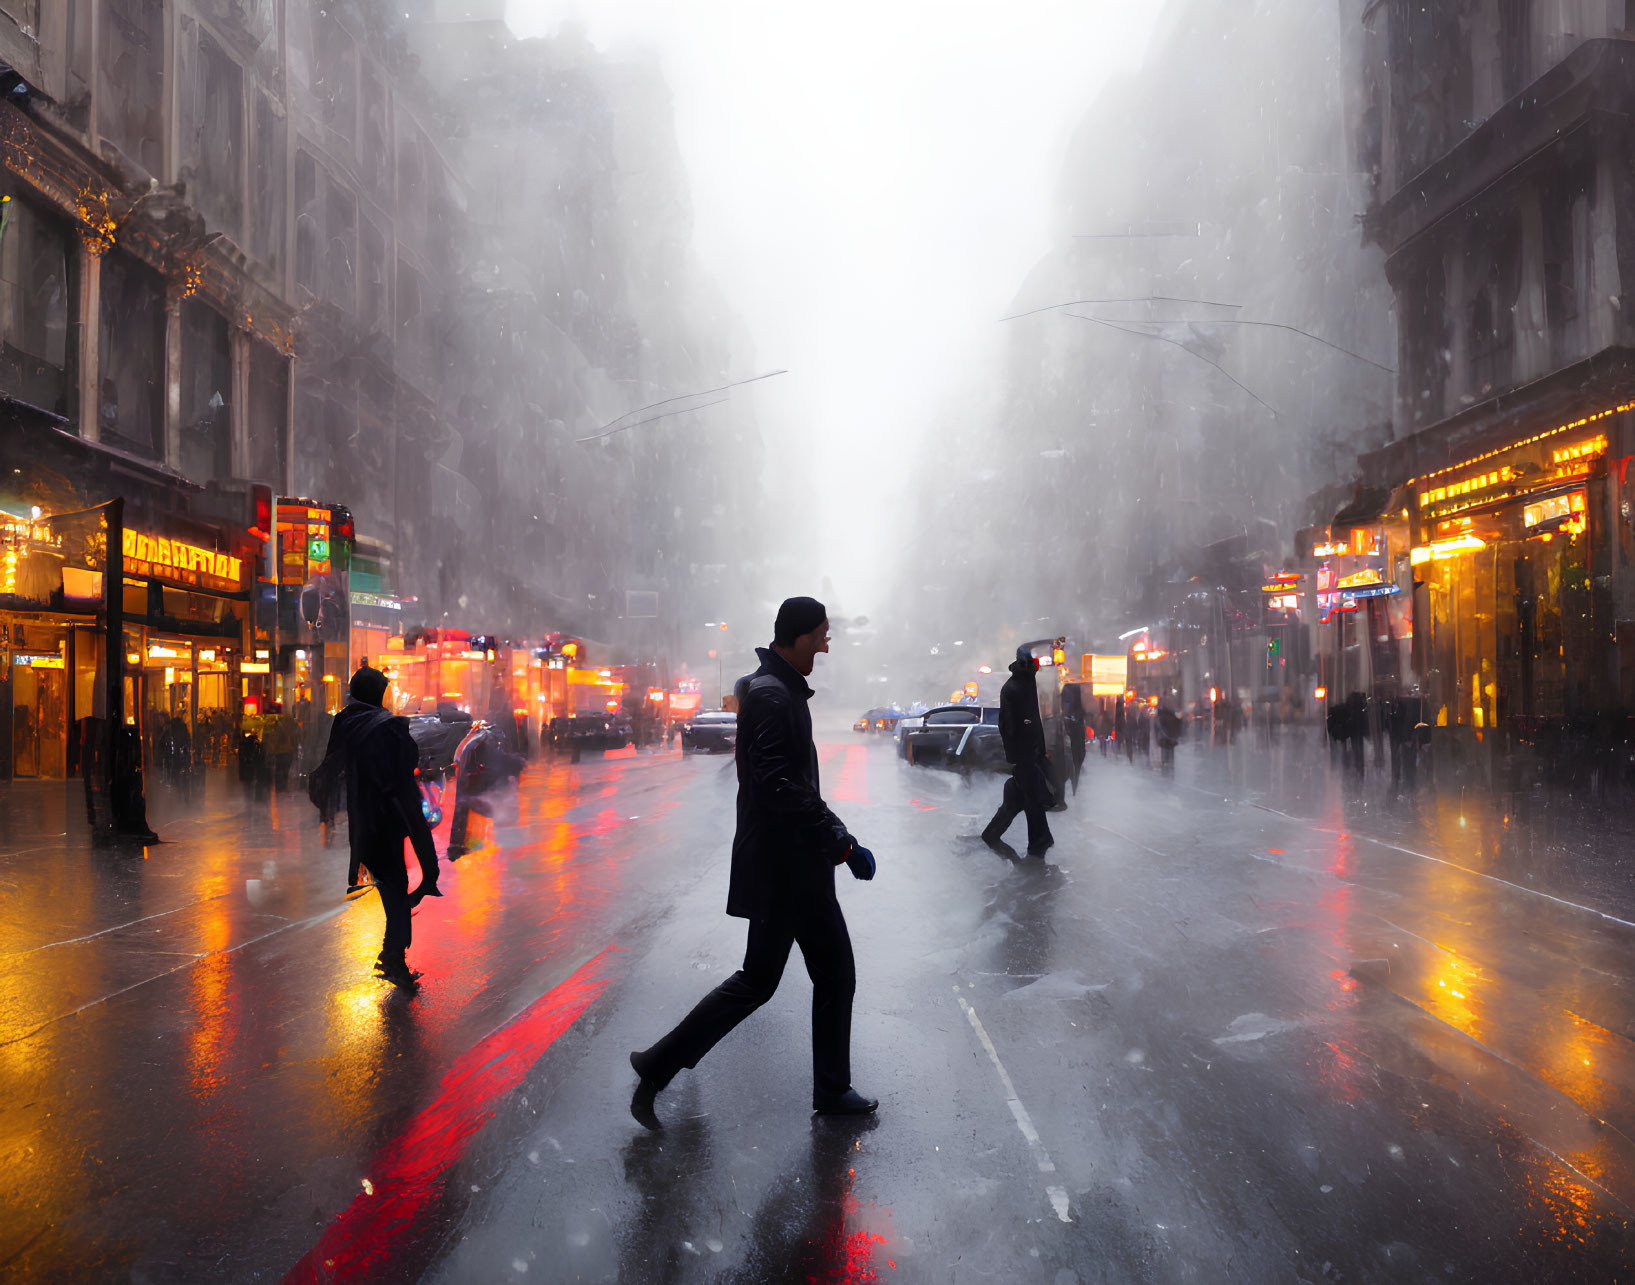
x: 715, y: 655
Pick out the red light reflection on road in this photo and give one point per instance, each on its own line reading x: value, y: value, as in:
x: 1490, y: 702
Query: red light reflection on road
x: 605, y: 822
x: 1342, y: 1070
x: 853, y: 786
x: 847, y: 1257
x: 407, y: 1175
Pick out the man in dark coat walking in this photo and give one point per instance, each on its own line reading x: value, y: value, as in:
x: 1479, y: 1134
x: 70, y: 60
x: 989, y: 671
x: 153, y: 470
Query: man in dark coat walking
x: 784, y: 856
x: 1027, y: 789
x: 371, y: 750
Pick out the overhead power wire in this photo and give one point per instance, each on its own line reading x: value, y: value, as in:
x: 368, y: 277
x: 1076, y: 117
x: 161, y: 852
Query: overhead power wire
x: 1146, y: 298
x: 628, y: 420
x: 1202, y: 321
x: 1144, y: 334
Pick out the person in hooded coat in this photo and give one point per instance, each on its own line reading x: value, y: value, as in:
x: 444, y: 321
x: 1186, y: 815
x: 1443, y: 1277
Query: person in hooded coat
x: 1074, y: 719
x: 1027, y: 789
x: 372, y: 757
x: 784, y: 855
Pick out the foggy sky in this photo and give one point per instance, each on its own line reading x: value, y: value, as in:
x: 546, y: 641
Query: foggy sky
x: 871, y: 181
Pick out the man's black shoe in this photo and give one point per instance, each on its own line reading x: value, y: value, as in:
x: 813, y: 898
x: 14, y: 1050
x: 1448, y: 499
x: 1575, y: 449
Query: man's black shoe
x: 851, y: 1102
x: 399, y: 974
x: 641, y: 1101
x: 641, y: 1106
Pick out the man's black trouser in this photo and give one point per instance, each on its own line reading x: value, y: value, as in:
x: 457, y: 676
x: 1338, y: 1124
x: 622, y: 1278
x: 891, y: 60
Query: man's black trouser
x: 1027, y: 789
x: 820, y: 930
x: 392, y: 882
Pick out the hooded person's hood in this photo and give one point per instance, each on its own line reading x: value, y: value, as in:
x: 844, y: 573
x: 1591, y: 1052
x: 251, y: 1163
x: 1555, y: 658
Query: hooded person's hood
x: 357, y: 720
x: 1023, y: 667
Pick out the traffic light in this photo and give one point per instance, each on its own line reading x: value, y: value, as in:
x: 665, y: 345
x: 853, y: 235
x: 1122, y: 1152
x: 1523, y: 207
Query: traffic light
x: 343, y: 534
x: 261, y: 511
x: 1274, y: 646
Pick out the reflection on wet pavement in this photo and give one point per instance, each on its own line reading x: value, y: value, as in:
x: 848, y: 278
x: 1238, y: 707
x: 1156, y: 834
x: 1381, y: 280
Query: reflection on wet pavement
x: 189, y: 1030
x: 1245, y: 1034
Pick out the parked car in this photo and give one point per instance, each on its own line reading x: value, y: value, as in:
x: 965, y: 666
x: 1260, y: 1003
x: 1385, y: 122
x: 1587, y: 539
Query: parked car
x: 574, y: 735
x: 943, y: 736
x: 712, y: 730
x: 908, y: 723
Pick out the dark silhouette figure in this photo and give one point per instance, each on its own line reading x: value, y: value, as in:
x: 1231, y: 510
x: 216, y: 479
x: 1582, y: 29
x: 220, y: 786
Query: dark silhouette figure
x: 281, y: 736
x: 784, y: 855
x: 1027, y: 789
x: 1169, y: 736
x: 1348, y: 729
x: 1073, y: 726
x: 372, y: 758
x: 175, y: 753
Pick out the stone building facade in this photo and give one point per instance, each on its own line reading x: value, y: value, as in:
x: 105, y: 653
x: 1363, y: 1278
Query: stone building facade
x: 249, y: 241
x: 1506, y: 209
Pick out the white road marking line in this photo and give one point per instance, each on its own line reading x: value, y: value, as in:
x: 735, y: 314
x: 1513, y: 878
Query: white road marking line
x: 171, y: 972
x: 103, y: 932
x: 1024, y: 1122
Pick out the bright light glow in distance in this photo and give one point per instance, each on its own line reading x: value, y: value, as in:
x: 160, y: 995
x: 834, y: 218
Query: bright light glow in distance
x: 871, y: 185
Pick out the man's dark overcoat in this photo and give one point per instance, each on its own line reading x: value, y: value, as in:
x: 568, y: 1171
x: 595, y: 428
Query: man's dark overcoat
x: 1020, y: 727
x: 372, y: 749
x: 788, y: 841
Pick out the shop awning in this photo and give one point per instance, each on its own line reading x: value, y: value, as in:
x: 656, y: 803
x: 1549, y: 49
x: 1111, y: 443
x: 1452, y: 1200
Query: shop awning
x: 1367, y: 507
x: 1602, y: 381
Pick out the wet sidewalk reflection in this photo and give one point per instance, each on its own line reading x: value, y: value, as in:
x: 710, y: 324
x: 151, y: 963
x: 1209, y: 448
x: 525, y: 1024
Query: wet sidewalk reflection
x: 194, y: 1048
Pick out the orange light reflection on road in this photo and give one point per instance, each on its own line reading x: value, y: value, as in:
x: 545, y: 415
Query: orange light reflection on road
x: 215, y: 1004
x: 1573, y: 1065
x: 1453, y: 994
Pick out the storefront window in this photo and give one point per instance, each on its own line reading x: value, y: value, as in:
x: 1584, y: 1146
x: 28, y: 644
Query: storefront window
x: 1511, y: 627
x: 88, y: 645
x: 39, y: 699
x: 187, y: 697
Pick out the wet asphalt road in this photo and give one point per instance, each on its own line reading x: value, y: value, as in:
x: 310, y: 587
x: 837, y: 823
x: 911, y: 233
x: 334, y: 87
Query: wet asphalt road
x: 1204, y: 1040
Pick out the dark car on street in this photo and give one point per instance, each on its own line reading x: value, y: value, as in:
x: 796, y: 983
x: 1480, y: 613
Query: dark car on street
x: 879, y: 720
x: 713, y: 730
x: 965, y: 737
x: 575, y: 735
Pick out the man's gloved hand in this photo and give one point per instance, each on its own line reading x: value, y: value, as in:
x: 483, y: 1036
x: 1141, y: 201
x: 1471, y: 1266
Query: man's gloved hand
x: 861, y: 861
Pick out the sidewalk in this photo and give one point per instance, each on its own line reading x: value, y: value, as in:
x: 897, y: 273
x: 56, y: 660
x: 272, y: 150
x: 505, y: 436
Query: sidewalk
x: 86, y: 923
